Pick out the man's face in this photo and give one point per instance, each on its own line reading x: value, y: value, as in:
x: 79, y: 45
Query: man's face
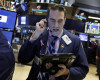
x: 56, y: 22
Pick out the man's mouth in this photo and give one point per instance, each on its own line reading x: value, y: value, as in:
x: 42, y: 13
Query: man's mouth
x: 55, y: 30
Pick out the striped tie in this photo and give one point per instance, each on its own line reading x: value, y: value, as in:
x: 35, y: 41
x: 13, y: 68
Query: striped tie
x: 52, y: 49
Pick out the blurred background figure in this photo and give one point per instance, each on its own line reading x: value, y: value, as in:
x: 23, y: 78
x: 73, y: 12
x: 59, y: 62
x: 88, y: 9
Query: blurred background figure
x: 7, y: 60
x: 98, y: 59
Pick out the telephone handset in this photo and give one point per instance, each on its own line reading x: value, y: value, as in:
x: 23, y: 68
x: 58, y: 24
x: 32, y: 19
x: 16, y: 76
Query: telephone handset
x: 47, y: 22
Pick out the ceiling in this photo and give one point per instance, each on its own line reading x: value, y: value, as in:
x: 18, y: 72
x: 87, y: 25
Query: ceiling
x: 92, y: 7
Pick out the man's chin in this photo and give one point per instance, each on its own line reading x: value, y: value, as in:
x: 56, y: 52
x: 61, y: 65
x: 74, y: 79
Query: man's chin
x: 55, y: 34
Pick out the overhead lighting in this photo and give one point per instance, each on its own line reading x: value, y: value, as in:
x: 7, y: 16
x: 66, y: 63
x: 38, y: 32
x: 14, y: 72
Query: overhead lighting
x: 93, y: 17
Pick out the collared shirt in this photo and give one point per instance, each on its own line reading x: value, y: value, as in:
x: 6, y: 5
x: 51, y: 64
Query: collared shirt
x: 57, y: 43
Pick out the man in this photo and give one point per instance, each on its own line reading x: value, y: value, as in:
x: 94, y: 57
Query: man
x: 7, y: 60
x: 41, y: 43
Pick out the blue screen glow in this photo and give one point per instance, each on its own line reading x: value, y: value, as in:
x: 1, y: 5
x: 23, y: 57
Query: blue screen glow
x: 7, y: 19
x: 83, y: 37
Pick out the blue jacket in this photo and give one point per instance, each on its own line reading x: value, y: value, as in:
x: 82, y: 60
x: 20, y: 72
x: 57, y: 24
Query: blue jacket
x: 7, y: 60
x: 79, y: 68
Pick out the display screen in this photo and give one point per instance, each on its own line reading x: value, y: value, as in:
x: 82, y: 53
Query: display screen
x: 36, y: 19
x: 7, y: 19
x: 24, y: 31
x: 92, y: 27
x: 23, y: 20
x: 83, y: 36
x: 8, y: 35
x: 29, y: 19
x: 97, y: 36
x: 40, y: 7
x: 81, y: 15
x: 74, y: 25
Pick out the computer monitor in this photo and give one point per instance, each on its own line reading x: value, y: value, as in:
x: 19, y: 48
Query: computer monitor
x: 74, y: 25
x: 97, y: 36
x: 24, y: 30
x: 83, y: 36
x: 37, y: 18
x: 7, y: 19
x: 23, y: 20
x: 26, y: 20
x: 91, y: 27
x: 8, y: 35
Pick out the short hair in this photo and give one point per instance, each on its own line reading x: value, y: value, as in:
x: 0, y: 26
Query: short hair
x: 57, y: 7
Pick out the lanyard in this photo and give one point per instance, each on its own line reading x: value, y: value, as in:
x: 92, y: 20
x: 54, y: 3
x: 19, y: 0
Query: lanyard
x: 51, y: 47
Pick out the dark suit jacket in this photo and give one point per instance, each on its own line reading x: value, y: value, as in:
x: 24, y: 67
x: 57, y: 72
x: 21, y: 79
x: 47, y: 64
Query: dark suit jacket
x: 7, y: 60
x: 79, y: 68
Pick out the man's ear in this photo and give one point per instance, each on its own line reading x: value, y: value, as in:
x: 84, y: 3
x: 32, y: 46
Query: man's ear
x: 65, y: 19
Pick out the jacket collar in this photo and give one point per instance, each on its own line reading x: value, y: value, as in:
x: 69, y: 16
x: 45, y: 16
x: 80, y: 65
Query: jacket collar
x: 63, y: 45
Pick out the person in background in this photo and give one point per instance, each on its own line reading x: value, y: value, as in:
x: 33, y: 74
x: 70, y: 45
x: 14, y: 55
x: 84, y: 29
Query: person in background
x: 98, y: 58
x: 47, y: 31
x: 7, y: 60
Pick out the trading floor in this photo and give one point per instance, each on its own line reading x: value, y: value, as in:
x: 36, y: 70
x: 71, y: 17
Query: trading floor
x: 21, y: 72
x: 23, y: 20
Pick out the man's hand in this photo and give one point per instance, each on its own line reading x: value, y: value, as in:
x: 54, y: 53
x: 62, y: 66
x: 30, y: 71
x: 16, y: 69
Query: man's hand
x: 48, y: 65
x: 62, y: 71
x: 40, y: 27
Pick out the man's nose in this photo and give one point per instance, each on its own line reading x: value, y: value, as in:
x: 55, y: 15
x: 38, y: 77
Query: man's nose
x: 56, y: 24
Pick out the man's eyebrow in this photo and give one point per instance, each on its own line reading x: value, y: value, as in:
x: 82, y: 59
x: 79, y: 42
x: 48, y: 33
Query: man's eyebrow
x: 60, y: 19
x: 52, y: 19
